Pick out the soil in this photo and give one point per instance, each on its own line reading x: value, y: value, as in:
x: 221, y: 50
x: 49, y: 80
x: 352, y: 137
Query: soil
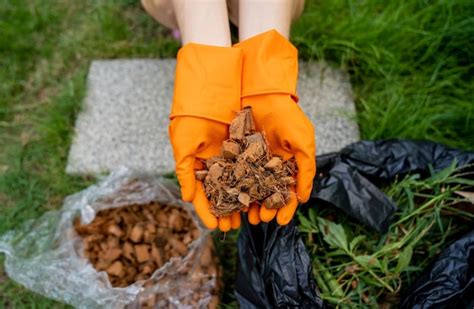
x: 246, y: 171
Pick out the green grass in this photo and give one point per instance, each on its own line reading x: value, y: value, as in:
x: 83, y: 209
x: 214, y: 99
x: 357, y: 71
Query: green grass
x: 410, y: 64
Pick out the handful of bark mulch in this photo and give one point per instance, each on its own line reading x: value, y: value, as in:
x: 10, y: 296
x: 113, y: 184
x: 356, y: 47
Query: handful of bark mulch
x: 246, y: 171
x: 130, y: 243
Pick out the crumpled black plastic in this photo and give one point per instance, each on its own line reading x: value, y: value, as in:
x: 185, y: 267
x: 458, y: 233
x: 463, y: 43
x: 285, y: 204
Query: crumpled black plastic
x: 448, y: 282
x: 348, y: 180
x: 274, y: 268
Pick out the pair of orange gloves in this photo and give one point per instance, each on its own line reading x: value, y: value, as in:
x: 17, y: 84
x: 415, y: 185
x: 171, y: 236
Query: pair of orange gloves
x: 211, y: 85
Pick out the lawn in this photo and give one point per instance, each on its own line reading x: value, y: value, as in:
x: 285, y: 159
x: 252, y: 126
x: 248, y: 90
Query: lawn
x: 411, y: 65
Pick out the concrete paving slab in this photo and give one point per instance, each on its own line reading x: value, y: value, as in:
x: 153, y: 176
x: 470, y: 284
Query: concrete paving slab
x: 124, y: 120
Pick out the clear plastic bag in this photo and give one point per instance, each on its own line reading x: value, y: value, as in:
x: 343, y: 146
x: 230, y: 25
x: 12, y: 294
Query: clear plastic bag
x: 45, y: 254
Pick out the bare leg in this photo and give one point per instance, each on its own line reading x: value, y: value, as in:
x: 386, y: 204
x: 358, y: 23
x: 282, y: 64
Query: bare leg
x: 203, y: 21
x: 233, y: 8
x: 257, y: 16
x: 163, y: 11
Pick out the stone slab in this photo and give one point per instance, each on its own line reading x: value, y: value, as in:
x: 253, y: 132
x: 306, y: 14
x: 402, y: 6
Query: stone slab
x: 124, y: 119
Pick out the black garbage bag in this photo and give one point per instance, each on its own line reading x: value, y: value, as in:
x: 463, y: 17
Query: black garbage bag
x: 274, y: 268
x: 448, y: 282
x: 348, y: 180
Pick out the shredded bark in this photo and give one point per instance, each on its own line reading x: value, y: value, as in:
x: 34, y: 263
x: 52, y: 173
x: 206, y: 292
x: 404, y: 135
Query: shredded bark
x: 246, y: 171
x: 130, y: 243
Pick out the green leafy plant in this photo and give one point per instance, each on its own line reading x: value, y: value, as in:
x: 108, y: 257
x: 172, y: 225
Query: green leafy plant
x: 357, y: 267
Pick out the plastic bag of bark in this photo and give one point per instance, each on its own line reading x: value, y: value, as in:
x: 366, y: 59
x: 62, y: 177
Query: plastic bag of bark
x: 127, y: 242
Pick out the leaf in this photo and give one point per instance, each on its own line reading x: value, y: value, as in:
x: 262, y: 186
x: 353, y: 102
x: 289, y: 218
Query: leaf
x: 303, y: 221
x: 370, y: 281
x: 410, y: 199
x: 333, y: 233
x: 443, y: 175
x: 368, y: 261
x: 305, y: 225
x: 312, y: 216
x: 461, y: 181
x: 384, y: 264
x: 336, y: 252
x: 437, y: 215
x: 355, y: 242
x: 404, y: 259
x: 363, y: 260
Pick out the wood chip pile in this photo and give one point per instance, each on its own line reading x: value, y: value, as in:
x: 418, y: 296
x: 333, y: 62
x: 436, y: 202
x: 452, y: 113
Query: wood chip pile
x: 130, y: 243
x: 246, y: 171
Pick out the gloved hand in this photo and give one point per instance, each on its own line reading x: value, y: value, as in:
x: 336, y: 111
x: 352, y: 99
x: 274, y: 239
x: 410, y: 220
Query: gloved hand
x: 269, y: 75
x: 206, y: 97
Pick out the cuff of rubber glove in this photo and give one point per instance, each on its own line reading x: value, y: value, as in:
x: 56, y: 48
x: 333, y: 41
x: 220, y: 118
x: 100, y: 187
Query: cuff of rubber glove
x: 270, y: 65
x: 208, y: 82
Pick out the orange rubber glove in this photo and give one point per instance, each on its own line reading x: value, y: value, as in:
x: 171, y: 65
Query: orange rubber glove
x: 269, y: 75
x: 206, y: 97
